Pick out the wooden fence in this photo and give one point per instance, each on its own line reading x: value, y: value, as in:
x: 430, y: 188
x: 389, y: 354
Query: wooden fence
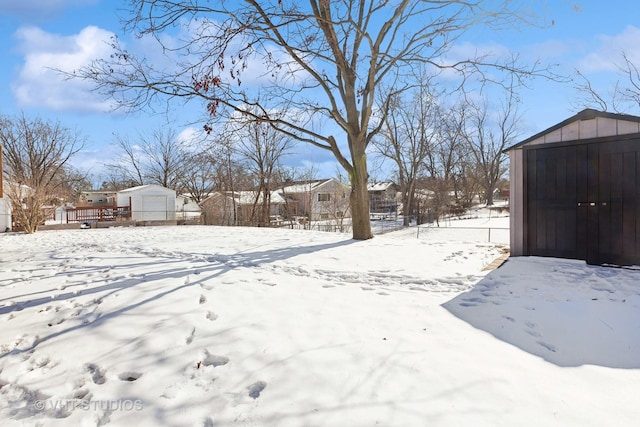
x: 98, y: 213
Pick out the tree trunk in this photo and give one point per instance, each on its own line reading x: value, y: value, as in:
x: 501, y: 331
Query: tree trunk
x: 359, y: 197
x: 489, y: 195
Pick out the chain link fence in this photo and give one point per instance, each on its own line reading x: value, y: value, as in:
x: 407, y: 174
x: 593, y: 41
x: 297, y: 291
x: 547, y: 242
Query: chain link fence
x: 467, y: 234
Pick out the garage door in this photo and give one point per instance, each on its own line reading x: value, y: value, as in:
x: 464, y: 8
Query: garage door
x: 154, y: 208
x: 582, y: 201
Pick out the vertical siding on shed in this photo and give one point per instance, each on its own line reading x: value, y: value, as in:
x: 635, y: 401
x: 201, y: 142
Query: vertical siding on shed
x: 625, y: 127
x: 516, y: 202
x: 571, y: 131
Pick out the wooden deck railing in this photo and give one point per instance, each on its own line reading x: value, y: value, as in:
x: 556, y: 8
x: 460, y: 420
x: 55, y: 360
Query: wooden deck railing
x: 98, y: 213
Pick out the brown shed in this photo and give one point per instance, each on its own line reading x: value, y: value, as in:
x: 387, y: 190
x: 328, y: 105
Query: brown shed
x: 575, y: 190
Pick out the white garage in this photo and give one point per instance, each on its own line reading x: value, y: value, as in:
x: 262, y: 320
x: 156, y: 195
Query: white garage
x: 5, y: 215
x: 149, y: 202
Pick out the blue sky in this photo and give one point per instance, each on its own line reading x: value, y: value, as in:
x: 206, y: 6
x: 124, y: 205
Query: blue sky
x: 39, y: 34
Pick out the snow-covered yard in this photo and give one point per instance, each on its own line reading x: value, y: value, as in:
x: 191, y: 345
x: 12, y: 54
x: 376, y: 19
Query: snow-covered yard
x: 220, y: 326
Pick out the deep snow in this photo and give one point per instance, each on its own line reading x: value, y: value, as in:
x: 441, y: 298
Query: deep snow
x: 217, y: 326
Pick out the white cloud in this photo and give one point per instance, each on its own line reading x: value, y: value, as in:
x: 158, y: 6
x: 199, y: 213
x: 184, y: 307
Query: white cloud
x: 608, y: 55
x: 192, y: 138
x: 38, y: 84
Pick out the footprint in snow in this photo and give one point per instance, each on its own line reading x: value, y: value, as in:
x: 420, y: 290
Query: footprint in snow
x: 57, y: 321
x: 192, y: 334
x: 467, y: 304
x: 103, y: 419
x: 532, y: 333
x: 268, y: 283
x: 96, y: 372
x: 256, y: 388
x: 81, y: 394
x: 549, y: 347
x: 129, y: 376
x: 212, y: 360
x: 211, y: 316
x: 43, y: 362
x: 202, y: 299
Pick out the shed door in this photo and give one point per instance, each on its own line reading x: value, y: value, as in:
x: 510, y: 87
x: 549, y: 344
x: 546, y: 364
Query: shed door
x: 582, y: 202
x: 154, y: 207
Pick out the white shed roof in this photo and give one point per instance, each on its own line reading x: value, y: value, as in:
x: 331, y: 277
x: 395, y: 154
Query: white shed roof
x: 146, y: 187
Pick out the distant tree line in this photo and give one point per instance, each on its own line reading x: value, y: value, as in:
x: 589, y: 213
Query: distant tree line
x: 442, y: 157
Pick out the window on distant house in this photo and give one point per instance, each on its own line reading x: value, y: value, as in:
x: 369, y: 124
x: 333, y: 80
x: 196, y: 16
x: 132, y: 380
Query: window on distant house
x: 324, y: 197
x: 324, y: 216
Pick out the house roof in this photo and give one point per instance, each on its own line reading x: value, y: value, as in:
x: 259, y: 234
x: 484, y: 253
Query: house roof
x: 214, y: 195
x: 249, y: 197
x: 145, y: 187
x: 308, y: 186
x: 107, y: 192
x: 379, y: 186
x: 244, y: 197
x: 587, y: 114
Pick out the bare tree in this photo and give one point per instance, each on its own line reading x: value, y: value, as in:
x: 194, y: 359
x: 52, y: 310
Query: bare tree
x: 324, y: 59
x: 409, y: 135
x: 36, y: 153
x: 115, y: 181
x: 71, y: 182
x: 487, y: 138
x: 200, y: 178
x: 156, y: 158
x: 624, y: 94
x: 262, y: 146
x: 451, y: 164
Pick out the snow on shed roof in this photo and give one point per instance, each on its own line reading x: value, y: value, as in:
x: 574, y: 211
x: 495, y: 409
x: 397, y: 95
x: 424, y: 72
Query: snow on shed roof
x: 144, y: 187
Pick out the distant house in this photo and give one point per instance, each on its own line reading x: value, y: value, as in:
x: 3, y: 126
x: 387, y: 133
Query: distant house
x: 383, y: 197
x: 17, y: 192
x: 5, y: 209
x: 303, y: 201
x: 219, y: 209
x: 249, y: 202
x: 97, y: 198
x: 149, y: 202
x: 238, y: 207
x: 186, y: 207
x: 316, y: 200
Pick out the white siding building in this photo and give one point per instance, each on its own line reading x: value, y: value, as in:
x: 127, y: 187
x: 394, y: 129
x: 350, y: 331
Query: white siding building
x: 149, y: 202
